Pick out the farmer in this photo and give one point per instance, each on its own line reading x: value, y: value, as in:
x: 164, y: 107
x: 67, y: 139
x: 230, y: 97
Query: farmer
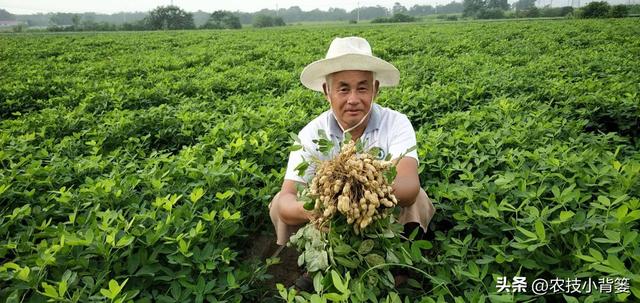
x: 350, y: 77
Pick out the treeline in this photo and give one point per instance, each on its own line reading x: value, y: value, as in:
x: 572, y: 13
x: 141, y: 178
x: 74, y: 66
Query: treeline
x: 292, y: 14
x: 160, y: 18
x: 498, y: 9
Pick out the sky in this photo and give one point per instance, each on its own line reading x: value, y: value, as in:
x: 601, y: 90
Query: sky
x: 114, y: 6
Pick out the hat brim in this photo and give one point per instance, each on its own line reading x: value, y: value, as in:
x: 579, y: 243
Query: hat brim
x: 313, y: 76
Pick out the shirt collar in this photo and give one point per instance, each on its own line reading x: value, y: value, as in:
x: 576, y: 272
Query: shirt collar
x: 372, y: 124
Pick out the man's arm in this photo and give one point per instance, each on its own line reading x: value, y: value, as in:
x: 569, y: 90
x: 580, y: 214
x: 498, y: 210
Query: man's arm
x: 292, y: 212
x: 406, y: 185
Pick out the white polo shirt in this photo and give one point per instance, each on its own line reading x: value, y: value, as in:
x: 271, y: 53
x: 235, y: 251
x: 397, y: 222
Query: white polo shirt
x: 387, y: 129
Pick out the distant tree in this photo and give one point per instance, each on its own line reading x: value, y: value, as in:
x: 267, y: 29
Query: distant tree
x: 262, y: 21
x: 76, y: 21
x: 5, y: 15
x: 399, y: 8
x: 619, y: 11
x: 548, y: 11
x: 599, y: 9
x: 533, y: 12
x: 566, y: 10
x: 498, y: 4
x: 278, y: 21
x: 222, y: 20
x: 451, y: 8
x: 490, y: 13
x: 61, y: 19
x: 294, y: 14
x: 370, y: 12
x: 267, y: 21
x: 421, y: 10
x: 472, y: 7
x: 394, y: 19
x: 169, y: 17
x: 337, y: 14
x: 524, y: 4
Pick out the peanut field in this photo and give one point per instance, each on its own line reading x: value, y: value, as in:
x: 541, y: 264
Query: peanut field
x: 138, y: 166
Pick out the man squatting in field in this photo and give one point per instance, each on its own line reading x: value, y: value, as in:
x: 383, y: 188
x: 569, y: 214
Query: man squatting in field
x: 350, y: 77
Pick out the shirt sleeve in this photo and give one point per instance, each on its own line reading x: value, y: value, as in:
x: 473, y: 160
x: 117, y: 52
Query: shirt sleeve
x: 297, y: 157
x: 403, y: 137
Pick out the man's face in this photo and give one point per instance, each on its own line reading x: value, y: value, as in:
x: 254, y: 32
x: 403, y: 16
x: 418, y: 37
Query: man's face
x: 351, y: 93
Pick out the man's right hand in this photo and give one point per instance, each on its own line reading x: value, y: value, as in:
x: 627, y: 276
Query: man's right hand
x: 292, y: 211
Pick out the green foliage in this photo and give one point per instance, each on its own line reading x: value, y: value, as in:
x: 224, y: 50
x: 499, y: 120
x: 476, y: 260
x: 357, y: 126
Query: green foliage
x: 151, y: 158
x: 596, y: 9
x: 223, y: 20
x: 267, y: 21
x: 169, y: 18
x: 524, y: 4
x: 619, y: 11
x: 396, y: 18
x: 471, y: 7
x: 556, y: 11
x: 5, y: 15
x: 490, y: 13
x: 498, y: 4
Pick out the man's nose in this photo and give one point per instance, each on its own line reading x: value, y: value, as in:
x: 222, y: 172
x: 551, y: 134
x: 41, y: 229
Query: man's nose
x: 353, y: 97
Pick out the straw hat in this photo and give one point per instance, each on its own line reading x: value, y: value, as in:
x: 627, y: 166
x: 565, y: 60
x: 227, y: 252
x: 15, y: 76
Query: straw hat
x: 350, y: 53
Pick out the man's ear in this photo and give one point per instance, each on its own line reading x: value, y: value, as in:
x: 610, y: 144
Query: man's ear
x: 325, y: 90
x: 377, y: 86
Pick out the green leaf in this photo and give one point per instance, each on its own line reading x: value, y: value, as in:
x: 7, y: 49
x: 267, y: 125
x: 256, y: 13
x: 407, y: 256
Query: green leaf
x: 501, y: 298
x: 337, y: 282
x: 566, y: 215
x: 309, y: 205
x: 390, y: 174
x: 540, y: 230
x: 125, y: 241
x: 316, y: 299
x: 570, y: 299
x: 224, y: 196
x: 605, y: 269
x: 282, y: 290
x: 107, y: 293
x: 365, y: 247
x: 295, y: 138
x: 596, y: 254
x: 342, y: 249
x: 615, y: 263
x: 526, y: 232
x: 422, y: 244
x: 333, y: 297
x: 604, y: 200
x: 347, y: 138
x: 346, y: 262
x: 23, y: 273
x: 49, y: 291
x: 62, y: 288
x: 375, y: 152
x: 302, y: 168
x: 231, y: 280
x: 196, y: 194
x: 629, y: 237
x: 374, y: 259
x: 317, y: 282
x: 504, y: 180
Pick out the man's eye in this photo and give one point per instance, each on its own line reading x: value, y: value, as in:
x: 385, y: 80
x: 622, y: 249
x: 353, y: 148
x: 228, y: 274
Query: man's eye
x: 363, y: 89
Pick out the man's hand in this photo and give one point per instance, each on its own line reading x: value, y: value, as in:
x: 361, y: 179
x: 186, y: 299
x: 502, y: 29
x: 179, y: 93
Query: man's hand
x: 406, y: 185
x: 292, y: 211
